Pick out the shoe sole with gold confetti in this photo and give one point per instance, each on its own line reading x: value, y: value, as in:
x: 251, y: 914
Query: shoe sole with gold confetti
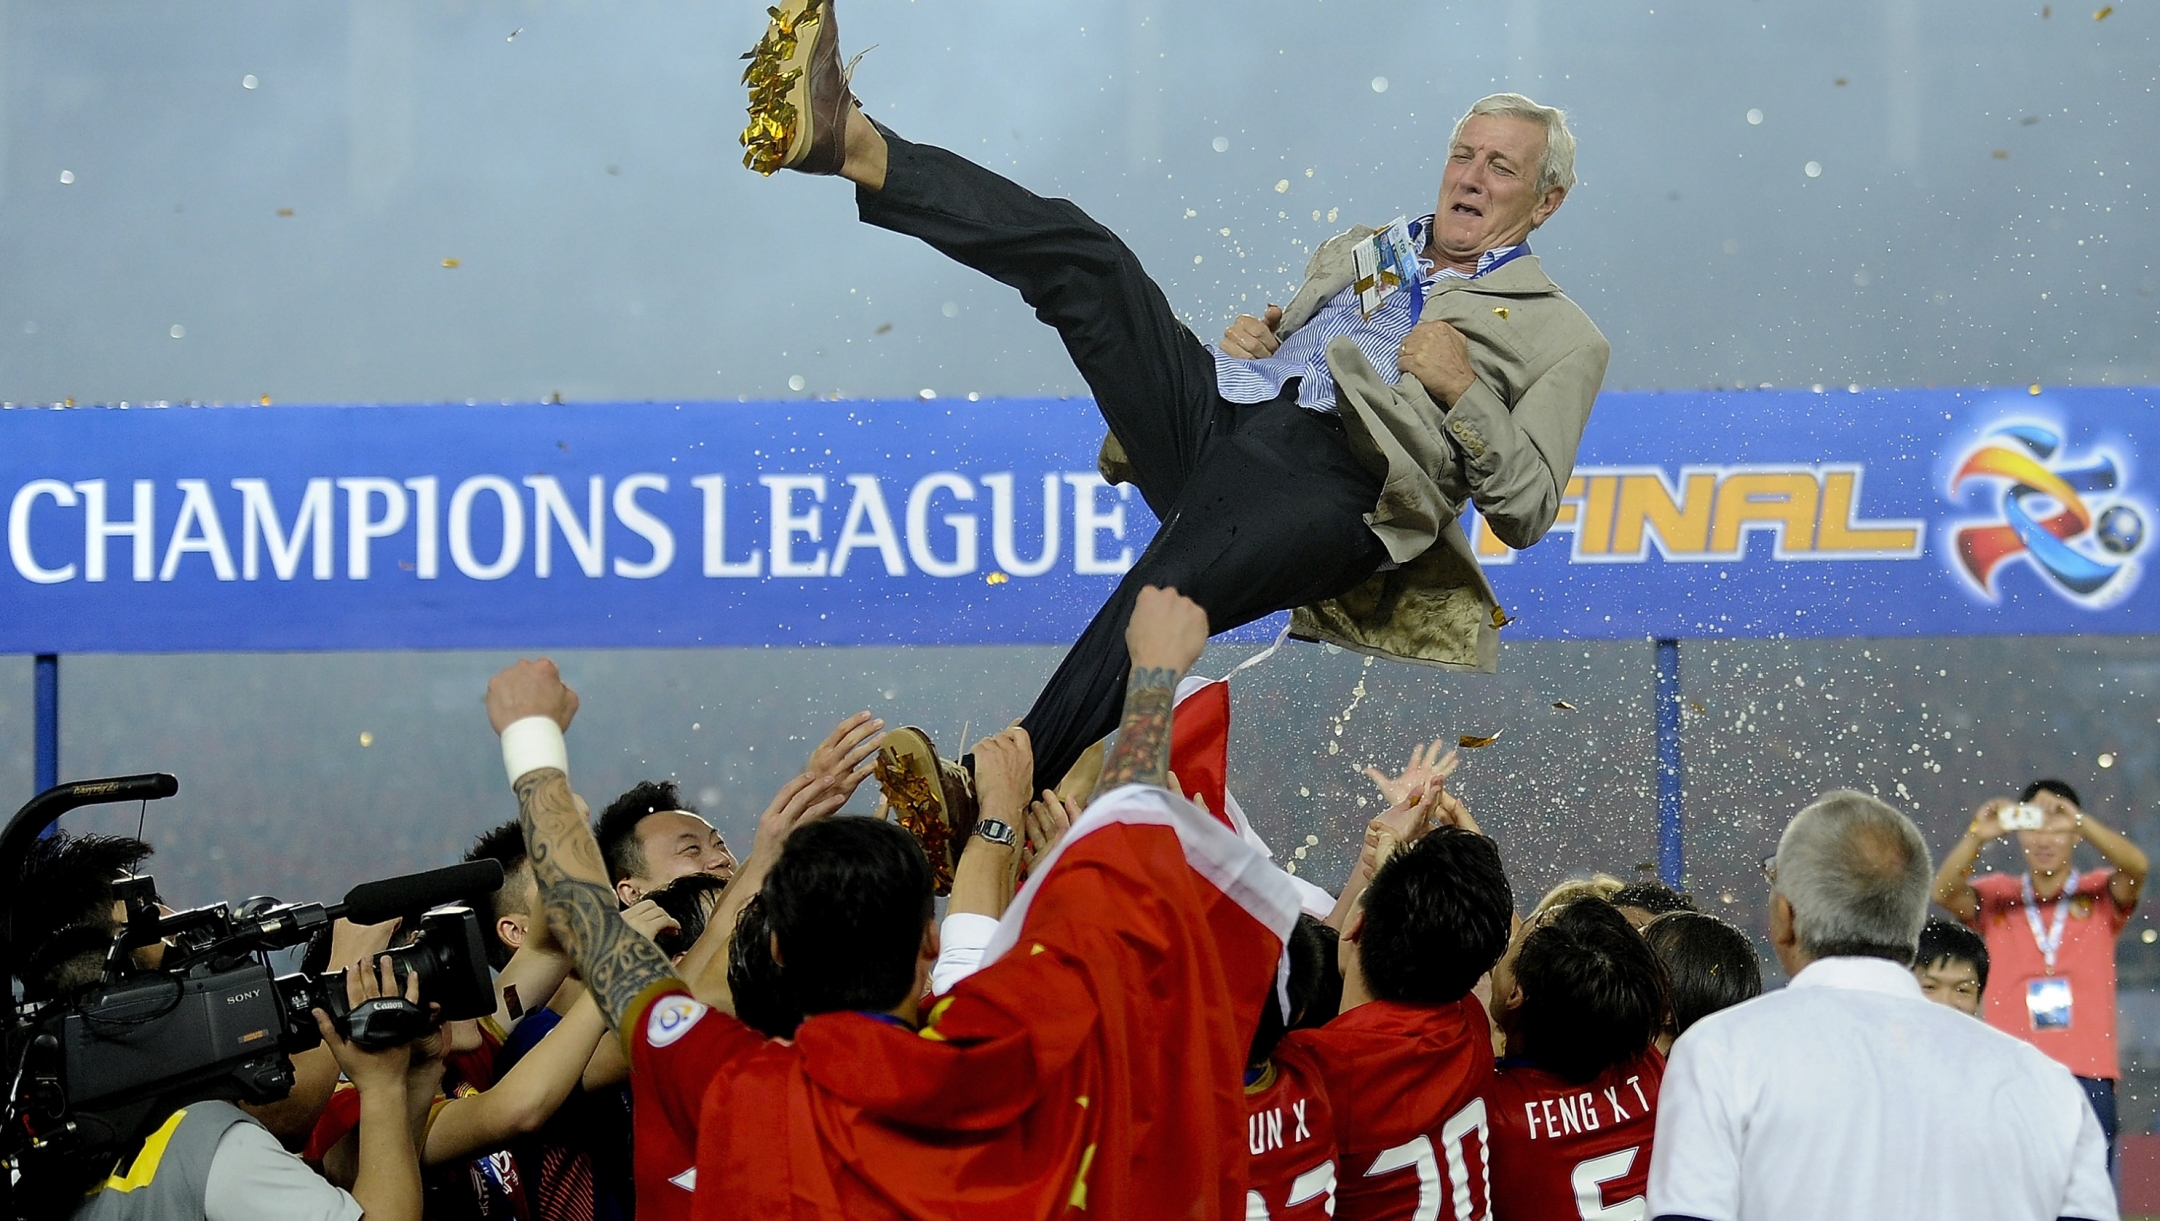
x: 782, y: 131
x: 907, y: 769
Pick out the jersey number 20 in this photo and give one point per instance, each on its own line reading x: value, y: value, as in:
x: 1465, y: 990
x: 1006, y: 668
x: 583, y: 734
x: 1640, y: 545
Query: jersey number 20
x: 1417, y: 1153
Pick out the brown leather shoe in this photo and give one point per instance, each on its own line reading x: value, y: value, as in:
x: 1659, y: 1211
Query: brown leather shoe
x: 933, y: 798
x: 799, y: 97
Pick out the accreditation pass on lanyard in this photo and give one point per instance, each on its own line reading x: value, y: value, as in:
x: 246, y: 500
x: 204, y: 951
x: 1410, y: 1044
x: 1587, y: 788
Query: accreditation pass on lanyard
x: 2047, y: 999
x: 1385, y: 262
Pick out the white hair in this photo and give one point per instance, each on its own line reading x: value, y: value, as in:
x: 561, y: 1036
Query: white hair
x: 1857, y: 875
x: 1557, y: 167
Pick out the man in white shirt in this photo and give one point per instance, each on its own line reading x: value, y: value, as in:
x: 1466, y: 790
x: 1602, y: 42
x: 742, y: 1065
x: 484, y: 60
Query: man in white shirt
x: 1847, y: 1094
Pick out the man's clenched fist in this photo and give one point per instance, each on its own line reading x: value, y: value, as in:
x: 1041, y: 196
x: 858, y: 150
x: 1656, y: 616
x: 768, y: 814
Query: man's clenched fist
x: 1439, y: 357
x: 1251, y: 338
x: 1167, y: 631
x: 530, y: 688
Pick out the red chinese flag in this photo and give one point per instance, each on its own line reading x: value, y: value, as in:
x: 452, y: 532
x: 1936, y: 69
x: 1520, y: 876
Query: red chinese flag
x: 1091, y: 1069
x: 1200, y: 746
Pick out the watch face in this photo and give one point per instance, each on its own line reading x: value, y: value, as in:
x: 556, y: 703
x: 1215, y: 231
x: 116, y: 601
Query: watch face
x: 995, y: 830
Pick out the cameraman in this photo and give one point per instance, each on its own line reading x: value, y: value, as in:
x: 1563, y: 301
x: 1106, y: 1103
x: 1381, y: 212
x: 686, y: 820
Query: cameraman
x: 207, y: 1159
x: 2051, y: 932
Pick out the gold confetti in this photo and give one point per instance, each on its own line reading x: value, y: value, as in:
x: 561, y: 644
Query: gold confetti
x: 996, y: 578
x: 1563, y: 705
x: 2046, y: 11
x: 1470, y: 742
x: 284, y: 211
x: 1841, y: 82
x: 773, y: 119
x: 264, y: 401
x: 2033, y: 389
x: 449, y: 262
x: 1697, y: 706
x: 1500, y: 617
x: 1500, y: 310
x: 2101, y: 13
x: 2001, y: 154
x: 366, y: 738
x: 883, y: 329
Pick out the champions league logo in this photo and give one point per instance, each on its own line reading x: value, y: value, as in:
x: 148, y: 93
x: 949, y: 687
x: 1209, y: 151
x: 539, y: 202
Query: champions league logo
x: 2065, y: 516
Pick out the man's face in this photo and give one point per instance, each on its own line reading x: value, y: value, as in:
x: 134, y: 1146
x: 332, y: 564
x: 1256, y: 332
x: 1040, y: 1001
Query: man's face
x: 1952, y: 982
x: 2048, y: 849
x: 676, y: 843
x: 1488, y: 194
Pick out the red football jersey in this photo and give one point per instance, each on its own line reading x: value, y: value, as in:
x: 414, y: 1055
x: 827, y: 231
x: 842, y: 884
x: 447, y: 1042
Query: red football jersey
x: 1407, y: 1085
x: 1290, y: 1131
x: 1090, y: 1072
x: 1568, y: 1151
x: 677, y: 1046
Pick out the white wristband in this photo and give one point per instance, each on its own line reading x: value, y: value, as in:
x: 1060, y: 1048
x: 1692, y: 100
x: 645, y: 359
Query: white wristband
x: 531, y: 743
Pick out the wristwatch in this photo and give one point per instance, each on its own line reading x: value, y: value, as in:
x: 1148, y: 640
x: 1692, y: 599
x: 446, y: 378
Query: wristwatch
x: 997, y: 831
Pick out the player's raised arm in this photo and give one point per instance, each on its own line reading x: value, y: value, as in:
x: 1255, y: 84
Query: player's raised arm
x: 529, y: 705
x: 1164, y: 639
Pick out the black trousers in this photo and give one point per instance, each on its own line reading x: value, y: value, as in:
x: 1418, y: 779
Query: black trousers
x: 1262, y: 505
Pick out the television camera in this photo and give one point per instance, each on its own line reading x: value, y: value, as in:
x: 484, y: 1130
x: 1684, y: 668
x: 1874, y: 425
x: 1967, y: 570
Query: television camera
x: 90, y: 1074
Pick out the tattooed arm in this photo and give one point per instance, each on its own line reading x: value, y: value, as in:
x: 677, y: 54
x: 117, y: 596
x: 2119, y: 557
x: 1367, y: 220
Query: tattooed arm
x: 616, y: 961
x: 1164, y: 639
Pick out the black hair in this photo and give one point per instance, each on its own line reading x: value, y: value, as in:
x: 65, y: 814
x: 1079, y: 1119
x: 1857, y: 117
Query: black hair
x: 761, y: 999
x: 505, y: 845
x: 60, y: 909
x: 1593, y: 994
x: 2061, y: 788
x: 1654, y: 897
x: 1311, y: 950
x: 617, y: 826
x: 1709, y: 964
x: 1326, y: 1002
x: 1940, y: 939
x: 690, y: 900
x: 848, y: 900
x: 1436, y: 918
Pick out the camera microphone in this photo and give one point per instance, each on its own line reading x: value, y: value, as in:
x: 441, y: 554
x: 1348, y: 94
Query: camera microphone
x: 375, y: 902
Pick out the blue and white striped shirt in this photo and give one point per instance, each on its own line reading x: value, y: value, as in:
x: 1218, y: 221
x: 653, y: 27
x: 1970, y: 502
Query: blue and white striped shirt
x: 1304, y: 353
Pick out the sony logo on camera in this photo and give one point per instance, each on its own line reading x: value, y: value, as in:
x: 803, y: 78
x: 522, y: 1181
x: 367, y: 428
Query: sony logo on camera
x: 248, y: 995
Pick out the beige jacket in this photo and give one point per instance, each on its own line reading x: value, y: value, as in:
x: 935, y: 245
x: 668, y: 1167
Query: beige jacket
x: 1508, y: 445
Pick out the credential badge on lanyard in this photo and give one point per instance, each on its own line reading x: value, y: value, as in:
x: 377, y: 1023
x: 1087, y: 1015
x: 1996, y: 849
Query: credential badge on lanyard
x: 2048, y: 999
x: 1385, y: 262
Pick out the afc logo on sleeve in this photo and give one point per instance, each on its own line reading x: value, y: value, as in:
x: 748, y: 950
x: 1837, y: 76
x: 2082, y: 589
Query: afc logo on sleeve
x: 671, y: 1018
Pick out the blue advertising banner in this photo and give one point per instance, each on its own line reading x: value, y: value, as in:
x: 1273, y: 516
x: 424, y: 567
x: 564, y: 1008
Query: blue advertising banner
x: 1794, y: 513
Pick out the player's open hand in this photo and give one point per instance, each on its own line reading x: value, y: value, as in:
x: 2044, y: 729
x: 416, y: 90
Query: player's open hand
x: 1250, y: 338
x: 806, y: 798
x: 1426, y: 763
x: 844, y: 756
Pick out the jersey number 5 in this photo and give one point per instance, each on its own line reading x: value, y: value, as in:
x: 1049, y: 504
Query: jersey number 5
x: 1589, y: 1182
x: 1417, y: 1153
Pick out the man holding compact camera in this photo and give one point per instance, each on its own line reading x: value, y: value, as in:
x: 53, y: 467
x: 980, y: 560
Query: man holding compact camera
x: 2051, y: 931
